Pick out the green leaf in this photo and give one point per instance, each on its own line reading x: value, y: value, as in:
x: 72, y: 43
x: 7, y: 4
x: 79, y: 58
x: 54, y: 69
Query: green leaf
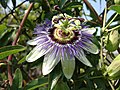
x: 8, y: 50
x: 17, y: 80
x: 62, y: 3
x: 100, y: 83
x: 54, y: 77
x: 115, y: 8
x: 118, y: 88
x: 37, y: 83
x: 4, y: 3
x: 84, y: 88
x: 117, y: 2
x: 2, y: 28
x: 71, y: 5
x: 61, y: 86
x: 22, y: 60
x: 5, y: 37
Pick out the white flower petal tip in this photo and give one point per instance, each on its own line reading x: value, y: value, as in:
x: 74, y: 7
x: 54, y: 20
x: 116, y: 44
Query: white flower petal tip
x: 46, y: 70
x: 30, y: 59
x: 32, y: 42
x: 34, y: 55
x: 68, y: 67
x: 90, y: 65
x: 89, y: 30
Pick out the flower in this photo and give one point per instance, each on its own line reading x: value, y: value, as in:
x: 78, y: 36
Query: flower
x: 62, y: 39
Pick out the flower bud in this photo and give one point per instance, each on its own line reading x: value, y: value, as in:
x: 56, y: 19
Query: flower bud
x: 114, y: 69
x: 112, y: 41
x: 117, y: 2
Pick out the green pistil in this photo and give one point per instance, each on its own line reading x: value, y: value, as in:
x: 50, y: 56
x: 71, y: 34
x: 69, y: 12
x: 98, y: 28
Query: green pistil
x: 65, y: 23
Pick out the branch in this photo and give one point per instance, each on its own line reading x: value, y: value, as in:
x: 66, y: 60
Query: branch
x: 15, y: 41
x: 12, y: 11
x: 93, y: 10
x: 2, y: 61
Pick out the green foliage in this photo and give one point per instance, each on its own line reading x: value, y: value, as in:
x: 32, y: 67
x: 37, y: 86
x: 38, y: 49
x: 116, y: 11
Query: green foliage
x: 5, y: 37
x: 115, y: 8
x: 104, y: 70
x: 61, y: 86
x: 9, y: 50
x: 17, y: 80
x: 37, y: 83
x: 4, y: 3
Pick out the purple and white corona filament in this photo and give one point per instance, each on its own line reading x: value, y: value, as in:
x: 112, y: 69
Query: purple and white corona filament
x: 62, y: 39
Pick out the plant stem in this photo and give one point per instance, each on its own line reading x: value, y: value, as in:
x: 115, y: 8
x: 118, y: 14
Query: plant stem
x: 112, y: 87
x: 93, y: 10
x: 101, y: 44
x: 114, y: 28
x: 110, y: 21
x: 104, y: 19
x: 101, y: 53
x: 10, y: 78
x: 2, y: 61
x: 96, y: 77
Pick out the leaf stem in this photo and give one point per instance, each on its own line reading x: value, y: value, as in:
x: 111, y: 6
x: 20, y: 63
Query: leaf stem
x: 112, y: 87
x: 101, y: 44
x: 114, y: 28
x: 10, y: 78
x: 104, y: 19
x: 110, y: 21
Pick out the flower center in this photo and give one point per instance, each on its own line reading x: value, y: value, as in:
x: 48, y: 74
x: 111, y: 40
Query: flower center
x: 66, y: 29
x: 62, y: 36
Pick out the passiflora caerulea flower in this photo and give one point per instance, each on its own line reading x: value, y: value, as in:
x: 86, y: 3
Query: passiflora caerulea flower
x: 61, y: 40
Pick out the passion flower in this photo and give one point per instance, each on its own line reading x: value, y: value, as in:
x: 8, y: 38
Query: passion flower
x: 62, y: 39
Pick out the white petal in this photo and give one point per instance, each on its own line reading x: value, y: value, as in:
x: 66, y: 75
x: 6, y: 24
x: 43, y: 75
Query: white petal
x: 32, y: 42
x: 38, y: 52
x: 51, y: 59
x: 68, y: 62
x: 37, y: 40
x: 89, y: 30
x: 81, y: 57
x: 90, y: 47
